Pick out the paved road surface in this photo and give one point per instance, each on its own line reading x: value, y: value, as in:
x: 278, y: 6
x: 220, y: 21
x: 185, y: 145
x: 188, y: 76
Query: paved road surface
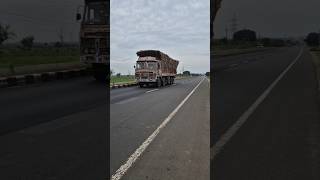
x: 181, y: 149
x: 54, y: 131
x: 281, y: 138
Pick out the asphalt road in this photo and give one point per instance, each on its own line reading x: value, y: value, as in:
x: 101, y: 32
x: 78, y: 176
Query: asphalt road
x: 181, y: 149
x: 280, y: 139
x: 55, y: 130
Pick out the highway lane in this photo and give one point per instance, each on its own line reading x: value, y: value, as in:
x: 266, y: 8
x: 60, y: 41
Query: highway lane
x: 280, y: 140
x: 237, y: 87
x: 232, y: 61
x: 54, y: 130
x: 186, y: 137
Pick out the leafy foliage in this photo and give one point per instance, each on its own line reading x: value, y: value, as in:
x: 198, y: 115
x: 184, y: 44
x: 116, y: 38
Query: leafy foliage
x: 5, y: 33
x: 27, y: 42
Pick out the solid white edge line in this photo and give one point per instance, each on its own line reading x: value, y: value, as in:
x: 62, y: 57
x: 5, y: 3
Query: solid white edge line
x: 152, y: 90
x: 243, y: 118
x: 124, y: 168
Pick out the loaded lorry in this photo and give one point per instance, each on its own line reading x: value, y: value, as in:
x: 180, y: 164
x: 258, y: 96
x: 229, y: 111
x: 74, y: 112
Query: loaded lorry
x: 154, y: 67
x: 94, y: 41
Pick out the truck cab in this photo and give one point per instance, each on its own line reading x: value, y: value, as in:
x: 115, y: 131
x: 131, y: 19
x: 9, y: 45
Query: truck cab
x: 93, y: 37
x: 147, y: 70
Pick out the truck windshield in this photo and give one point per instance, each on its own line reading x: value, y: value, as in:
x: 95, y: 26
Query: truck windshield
x: 152, y: 65
x: 95, y: 13
x: 147, y: 65
x: 141, y: 65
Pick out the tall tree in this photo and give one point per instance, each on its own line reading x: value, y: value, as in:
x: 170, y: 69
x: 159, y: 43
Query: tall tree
x: 5, y: 33
x: 245, y: 35
x: 27, y: 42
x: 313, y: 39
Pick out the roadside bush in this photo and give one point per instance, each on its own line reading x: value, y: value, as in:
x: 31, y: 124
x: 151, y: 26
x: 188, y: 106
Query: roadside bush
x: 312, y: 39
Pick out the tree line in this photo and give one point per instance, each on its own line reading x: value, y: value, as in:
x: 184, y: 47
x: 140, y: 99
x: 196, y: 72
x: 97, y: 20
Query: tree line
x: 6, y: 34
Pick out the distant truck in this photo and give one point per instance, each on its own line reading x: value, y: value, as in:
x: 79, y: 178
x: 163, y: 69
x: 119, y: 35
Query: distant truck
x: 155, y: 68
x: 93, y: 37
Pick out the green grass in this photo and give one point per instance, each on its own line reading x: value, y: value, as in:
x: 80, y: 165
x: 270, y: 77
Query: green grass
x: 20, y: 57
x: 122, y: 79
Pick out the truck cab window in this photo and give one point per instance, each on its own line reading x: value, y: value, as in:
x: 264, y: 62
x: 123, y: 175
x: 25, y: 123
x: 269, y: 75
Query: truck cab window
x: 91, y: 16
x: 152, y: 65
x: 140, y: 65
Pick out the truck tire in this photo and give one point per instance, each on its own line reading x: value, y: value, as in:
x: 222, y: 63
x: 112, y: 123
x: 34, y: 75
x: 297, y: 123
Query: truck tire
x: 170, y: 81
x: 141, y: 85
x: 158, y: 83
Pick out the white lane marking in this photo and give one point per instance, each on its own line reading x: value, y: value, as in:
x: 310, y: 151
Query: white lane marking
x: 124, y: 168
x: 243, y: 118
x: 152, y: 90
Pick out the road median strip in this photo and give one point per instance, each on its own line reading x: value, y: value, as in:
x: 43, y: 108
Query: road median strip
x: 26, y: 79
x: 123, y: 85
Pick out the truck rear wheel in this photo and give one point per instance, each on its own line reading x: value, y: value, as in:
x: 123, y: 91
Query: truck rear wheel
x: 170, y: 81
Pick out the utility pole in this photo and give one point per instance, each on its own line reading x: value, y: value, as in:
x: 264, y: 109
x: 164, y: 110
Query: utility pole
x: 227, y: 32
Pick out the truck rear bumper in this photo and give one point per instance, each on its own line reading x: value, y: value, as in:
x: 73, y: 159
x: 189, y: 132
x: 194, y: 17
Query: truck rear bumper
x: 146, y: 80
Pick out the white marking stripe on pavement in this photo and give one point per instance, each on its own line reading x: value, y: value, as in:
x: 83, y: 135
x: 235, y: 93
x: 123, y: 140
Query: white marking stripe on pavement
x: 152, y: 90
x: 124, y: 168
x: 243, y: 118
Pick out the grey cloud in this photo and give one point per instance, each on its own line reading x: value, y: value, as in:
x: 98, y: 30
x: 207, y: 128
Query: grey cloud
x: 178, y: 28
x: 270, y: 18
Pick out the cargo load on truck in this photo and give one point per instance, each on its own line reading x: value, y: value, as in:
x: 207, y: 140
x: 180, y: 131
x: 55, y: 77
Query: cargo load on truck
x: 155, y: 68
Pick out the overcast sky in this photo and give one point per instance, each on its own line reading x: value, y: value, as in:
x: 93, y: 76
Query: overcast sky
x: 272, y: 18
x: 41, y: 18
x: 179, y: 28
